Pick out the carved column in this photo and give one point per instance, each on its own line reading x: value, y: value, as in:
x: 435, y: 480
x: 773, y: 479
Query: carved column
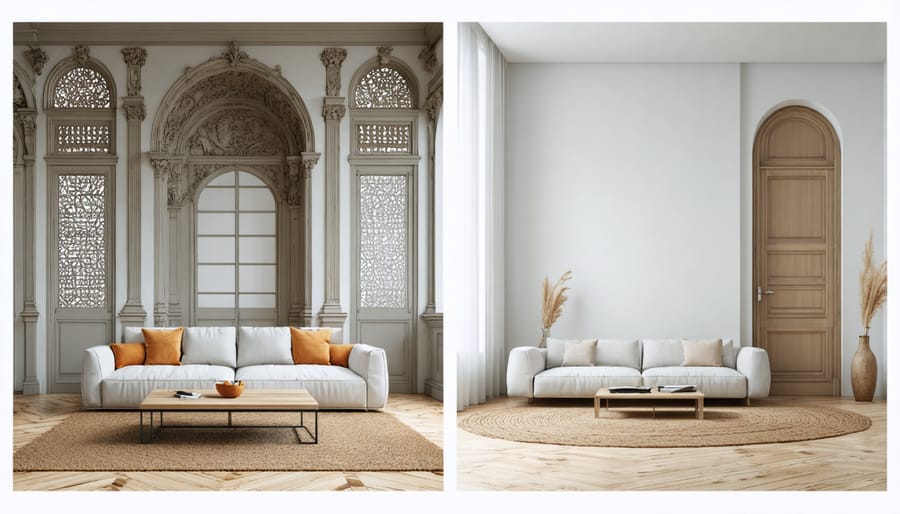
x: 31, y: 383
x: 333, y: 110
x: 432, y: 108
x: 295, y: 213
x: 309, y: 162
x: 133, y: 313
x: 161, y: 168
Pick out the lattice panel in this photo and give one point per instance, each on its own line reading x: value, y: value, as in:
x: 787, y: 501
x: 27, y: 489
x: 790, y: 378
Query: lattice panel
x: 82, y: 88
x: 383, y: 245
x: 383, y: 88
x: 81, y: 241
x: 83, y: 138
x: 382, y: 138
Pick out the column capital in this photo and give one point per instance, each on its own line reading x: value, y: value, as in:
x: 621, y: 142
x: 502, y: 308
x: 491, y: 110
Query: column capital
x: 134, y: 110
x: 332, y: 58
x: 25, y: 117
x: 333, y: 112
x: 433, y: 103
x: 161, y: 164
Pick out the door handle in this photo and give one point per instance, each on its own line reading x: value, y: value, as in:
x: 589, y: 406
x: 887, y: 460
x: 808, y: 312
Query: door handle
x: 760, y: 293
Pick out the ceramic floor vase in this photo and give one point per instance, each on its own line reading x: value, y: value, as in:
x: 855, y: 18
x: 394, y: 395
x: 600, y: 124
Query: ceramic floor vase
x: 863, y: 371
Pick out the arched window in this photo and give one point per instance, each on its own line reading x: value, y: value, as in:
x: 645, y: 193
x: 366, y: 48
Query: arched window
x: 384, y: 157
x: 79, y: 102
x: 383, y: 87
x: 236, y: 251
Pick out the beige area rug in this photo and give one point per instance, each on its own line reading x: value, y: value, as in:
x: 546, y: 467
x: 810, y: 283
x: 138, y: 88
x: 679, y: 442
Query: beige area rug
x: 348, y: 441
x: 638, y: 428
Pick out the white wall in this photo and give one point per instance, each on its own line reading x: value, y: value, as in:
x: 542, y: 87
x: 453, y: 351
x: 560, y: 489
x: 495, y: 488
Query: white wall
x: 852, y: 97
x: 629, y: 176
x: 302, y: 67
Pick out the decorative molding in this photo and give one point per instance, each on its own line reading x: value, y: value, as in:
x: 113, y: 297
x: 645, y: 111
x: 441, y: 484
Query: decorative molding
x: 37, y: 57
x: 332, y: 58
x: 229, y: 88
x: 135, y: 111
x: 160, y: 166
x: 214, y: 33
x: 234, y: 55
x: 81, y: 54
x: 135, y: 58
x: 19, y: 100
x: 334, y: 111
x: 384, y: 55
x: 429, y: 58
x: 236, y: 132
x: 25, y: 118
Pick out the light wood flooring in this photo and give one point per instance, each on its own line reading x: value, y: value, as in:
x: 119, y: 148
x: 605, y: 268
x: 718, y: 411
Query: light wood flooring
x: 854, y: 462
x: 34, y: 415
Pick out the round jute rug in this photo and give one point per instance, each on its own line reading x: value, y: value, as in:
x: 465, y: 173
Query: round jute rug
x: 721, y: 426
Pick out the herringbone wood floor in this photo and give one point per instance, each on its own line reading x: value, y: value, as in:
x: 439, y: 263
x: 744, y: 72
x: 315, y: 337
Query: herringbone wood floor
x: 854, y: 462
x: 34, y: 415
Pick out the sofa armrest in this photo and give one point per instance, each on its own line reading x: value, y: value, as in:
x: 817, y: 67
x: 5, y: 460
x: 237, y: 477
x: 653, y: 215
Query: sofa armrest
x: 98, y: 362
x: 370, y: 363
x: 524, y: 363
x: 753, y: 363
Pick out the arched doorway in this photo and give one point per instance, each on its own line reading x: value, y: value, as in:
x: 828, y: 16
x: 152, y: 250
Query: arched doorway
x: 231, y: 117
x: 236, y: 245
x: 796, y: 261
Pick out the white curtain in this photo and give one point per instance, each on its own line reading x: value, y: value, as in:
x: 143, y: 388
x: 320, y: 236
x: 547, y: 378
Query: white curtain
x: 481, y: 349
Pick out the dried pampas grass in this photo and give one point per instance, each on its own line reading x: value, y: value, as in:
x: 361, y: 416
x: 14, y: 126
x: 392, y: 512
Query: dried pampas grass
x: 554, y: 299
x: 872, y: 286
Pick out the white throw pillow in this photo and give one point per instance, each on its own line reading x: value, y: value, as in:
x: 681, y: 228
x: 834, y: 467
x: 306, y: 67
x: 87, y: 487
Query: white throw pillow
x: 659, y: 353
x: 619, y: 352
x: 209, y: 345
x: 729, y: 351
x: 264, y: 345
x: 702, y: 352
x: 579, y: 353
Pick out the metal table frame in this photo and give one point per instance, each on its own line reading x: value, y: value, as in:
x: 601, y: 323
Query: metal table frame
x: 314, y: 435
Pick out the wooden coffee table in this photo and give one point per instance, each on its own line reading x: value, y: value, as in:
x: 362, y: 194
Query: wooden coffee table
x: 299, y: 401
x: 653, y: 399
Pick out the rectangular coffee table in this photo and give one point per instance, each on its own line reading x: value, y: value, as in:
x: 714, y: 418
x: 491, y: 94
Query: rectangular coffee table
x: 299, y: 401
x: 653, y: 399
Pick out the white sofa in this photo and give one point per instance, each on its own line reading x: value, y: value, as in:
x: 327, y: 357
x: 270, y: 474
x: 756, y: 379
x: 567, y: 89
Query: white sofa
x: 260, y: 356
x: 538, y: 373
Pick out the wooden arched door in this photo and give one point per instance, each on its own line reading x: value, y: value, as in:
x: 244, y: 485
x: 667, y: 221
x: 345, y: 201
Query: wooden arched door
x: 796, y: 260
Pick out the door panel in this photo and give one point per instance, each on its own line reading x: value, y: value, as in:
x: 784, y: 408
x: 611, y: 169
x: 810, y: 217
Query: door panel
x: 384, y: 268
x: 796, y: 262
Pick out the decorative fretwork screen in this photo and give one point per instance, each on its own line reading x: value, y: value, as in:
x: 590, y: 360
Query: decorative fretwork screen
x: 81, y: 113
x: 383, y: 241
x: 81, y: 241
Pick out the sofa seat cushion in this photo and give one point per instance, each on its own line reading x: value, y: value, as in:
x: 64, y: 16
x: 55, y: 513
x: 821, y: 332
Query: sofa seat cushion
x: 713, y: 382
x: 127, y: 387
x: 334, y: 387
x: 582, y: 381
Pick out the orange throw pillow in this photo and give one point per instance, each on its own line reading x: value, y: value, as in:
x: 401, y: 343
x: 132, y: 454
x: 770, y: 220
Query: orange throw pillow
x: 340, y: 354
x: 163, y: 346
x: 310, y: 346
x: 128, y: 354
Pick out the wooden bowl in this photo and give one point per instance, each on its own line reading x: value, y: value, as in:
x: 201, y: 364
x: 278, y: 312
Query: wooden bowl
x: 230, y: 390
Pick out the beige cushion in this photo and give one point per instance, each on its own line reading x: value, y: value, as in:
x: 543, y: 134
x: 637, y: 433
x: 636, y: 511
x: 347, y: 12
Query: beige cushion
x: 579, y: 353
x: 702, y: 352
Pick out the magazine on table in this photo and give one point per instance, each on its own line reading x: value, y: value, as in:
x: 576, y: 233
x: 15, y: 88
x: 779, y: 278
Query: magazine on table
x: 187, y: 395
x: 677, y: 389
x: 629, y: 389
